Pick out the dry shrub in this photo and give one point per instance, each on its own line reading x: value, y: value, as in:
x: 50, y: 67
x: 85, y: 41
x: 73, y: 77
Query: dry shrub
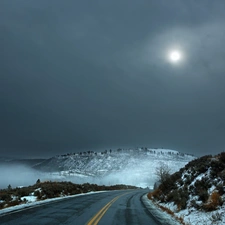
x: 167, y: 210
x: 13, y: 203
x: 213, y: 202
x: 5, y: 196
x: 149, y: 195
x: 2, y: 205
x: 155, y: 194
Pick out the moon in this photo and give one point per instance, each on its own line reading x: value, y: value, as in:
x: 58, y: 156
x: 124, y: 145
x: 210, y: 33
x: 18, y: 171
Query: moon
x: 175, y: 56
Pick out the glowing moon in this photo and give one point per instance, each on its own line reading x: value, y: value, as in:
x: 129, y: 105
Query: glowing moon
x: 175, y: 56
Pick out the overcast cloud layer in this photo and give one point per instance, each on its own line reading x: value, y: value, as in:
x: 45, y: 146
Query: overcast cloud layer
x: 91, y: 75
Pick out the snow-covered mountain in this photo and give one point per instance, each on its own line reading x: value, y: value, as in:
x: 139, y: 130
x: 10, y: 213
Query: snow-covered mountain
x: 127, y: 166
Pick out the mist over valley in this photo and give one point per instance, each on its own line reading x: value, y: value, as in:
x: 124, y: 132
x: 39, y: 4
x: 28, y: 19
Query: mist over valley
x: 110, y: 167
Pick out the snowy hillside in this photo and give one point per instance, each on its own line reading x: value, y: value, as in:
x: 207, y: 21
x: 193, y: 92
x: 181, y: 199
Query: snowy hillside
x: 129, y: 166
x: 196, y: 193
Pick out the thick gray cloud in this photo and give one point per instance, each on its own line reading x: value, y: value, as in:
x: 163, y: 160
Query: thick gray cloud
x: 78, y: 75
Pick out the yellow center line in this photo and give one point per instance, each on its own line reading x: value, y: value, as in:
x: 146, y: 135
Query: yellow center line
x: 95, y: 219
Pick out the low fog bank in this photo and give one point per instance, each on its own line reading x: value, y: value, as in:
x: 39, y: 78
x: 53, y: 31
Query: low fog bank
x: 143, y: 175
x: 20, y: 175
x: 121, y: 177
x: 140, y: 174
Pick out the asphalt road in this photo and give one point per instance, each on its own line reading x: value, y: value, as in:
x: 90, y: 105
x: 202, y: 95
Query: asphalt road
x: 107, y: 208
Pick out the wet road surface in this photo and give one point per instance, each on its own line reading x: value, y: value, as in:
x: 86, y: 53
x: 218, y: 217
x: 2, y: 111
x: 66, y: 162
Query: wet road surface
x: 106, y: 208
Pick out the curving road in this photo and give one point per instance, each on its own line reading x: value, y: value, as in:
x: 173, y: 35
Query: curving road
x: 106, y: 208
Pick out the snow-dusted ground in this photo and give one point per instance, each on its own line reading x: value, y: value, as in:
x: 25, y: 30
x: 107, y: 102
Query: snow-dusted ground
x: 195, y: 217
x: 191, y: 215
x: 162, y: 217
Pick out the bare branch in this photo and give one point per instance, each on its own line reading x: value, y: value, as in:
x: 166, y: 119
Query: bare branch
x: 162, y: 172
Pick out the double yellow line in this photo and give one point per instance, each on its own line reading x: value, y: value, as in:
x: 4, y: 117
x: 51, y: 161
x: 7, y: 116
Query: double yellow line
x: 100, y: 214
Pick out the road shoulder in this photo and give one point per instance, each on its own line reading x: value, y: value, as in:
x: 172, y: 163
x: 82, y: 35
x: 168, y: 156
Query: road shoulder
x: 158, y: 214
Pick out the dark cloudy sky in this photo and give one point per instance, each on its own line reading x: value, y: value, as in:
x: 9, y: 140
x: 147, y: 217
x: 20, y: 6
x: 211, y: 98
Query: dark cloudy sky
x: 91, y: 75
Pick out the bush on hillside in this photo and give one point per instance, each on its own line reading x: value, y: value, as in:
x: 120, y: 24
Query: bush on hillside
x: 213, y: 202
x: 44, y: 190
x: 209, y: 171
x: 179, y: 197
x: 5, y: 196
x: 217, y: 166
x: 222, y: 157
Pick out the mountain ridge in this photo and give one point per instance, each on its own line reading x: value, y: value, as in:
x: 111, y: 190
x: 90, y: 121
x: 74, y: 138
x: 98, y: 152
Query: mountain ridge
x: 128, y: 166
x: 98, y: 161
x: 132, y: 166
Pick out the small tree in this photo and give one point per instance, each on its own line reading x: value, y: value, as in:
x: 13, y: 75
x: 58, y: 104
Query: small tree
x: 38, y: 181
x: 162, y: 172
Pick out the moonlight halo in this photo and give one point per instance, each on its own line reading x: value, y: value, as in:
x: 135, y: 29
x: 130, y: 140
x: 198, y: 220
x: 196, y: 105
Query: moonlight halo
x: 174, y: 56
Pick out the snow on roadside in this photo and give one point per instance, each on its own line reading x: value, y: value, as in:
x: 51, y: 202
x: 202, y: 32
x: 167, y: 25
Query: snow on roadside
x: 190, y: 216
x: 199, y: 217
x: 193, y: 216
x: 196, y: 217
x: 163, y: 217
x: 32, y: 202
x: 29, y: 198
